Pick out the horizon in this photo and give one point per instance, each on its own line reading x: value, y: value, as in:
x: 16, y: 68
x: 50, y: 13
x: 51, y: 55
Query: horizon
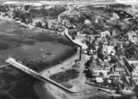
x: 59, y: 2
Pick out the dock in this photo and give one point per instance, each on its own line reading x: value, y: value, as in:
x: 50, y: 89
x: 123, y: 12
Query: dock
x: 36, y: 75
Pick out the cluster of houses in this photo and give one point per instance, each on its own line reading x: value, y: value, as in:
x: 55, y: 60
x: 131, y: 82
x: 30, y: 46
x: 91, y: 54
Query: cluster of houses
x: 105, y: 38
x: 22, y: 13
x: 109, y: 51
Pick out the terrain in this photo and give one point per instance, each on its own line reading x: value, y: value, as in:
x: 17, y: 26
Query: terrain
x: 52, y: 54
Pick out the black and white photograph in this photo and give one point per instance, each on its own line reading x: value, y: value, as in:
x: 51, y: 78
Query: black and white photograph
x: 68, y: 49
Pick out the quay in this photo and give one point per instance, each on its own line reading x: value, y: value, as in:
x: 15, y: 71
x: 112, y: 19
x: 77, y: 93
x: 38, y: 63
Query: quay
x: 37, y: 75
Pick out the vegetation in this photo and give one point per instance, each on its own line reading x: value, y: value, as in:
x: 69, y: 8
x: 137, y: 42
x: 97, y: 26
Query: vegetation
x: 65, y: 76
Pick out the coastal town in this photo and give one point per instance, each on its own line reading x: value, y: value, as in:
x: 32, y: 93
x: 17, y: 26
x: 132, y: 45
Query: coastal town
x: 100, y: 43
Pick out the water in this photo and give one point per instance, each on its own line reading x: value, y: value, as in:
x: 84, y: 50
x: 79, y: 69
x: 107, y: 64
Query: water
x: 14, y: 84
x: 42, y: 92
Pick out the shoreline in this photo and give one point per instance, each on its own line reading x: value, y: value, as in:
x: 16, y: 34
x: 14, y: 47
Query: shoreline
x: 64, y: 65
x: 42, y: 92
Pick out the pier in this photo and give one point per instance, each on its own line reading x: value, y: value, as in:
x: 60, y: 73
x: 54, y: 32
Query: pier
x: 36, y: 75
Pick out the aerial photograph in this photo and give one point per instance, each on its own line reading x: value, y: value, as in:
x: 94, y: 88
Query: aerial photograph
x: 68, y: 49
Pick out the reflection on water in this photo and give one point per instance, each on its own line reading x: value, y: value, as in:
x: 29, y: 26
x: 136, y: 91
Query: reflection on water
x: 136, y: 90
x: 14, y: 84
x: 42, y: 92
x: 29, y: 88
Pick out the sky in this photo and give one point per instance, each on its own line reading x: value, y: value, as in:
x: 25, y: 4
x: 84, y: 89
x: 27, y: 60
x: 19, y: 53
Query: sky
x: 74, y: 1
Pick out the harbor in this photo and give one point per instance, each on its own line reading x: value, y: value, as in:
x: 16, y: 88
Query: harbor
x: 69, y: 50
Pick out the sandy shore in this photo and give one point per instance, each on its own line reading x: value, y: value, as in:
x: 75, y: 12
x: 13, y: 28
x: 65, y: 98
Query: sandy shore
x: 78, y: 84
x: 43, y: 92
x: 65, y: 65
